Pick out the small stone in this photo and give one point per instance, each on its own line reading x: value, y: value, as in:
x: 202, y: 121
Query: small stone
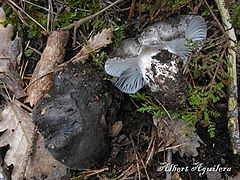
x: 213, y: 175
x: 223, y: 161
x: 121, y: 138
x: 116, y: 128
x: 51, y: 146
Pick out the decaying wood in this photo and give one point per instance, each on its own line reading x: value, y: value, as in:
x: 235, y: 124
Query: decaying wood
x: 53, y: 54
x: 9, y: 54
x: 233, y: 124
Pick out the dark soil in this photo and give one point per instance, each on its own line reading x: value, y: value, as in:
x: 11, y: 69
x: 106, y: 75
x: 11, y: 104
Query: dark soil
x: 134, y: 137
x: 137, y: 130
x: 136, y: 133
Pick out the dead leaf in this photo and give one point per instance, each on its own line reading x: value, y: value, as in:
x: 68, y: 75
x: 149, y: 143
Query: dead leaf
x: 10, y: 50
x: 19, y: 131
x: 94, y: 44
x: 2, y: 17
x: 176, y: 176
x: 43, y: 163
x: 131, y: 156
x: 53, y: 54
x: 173, y: 131
x: 26, y: 153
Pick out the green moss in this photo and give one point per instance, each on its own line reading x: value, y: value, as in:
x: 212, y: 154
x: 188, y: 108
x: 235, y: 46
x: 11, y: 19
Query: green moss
x: 152, y: 6
x: 149, y: 106
x: 201, y: 98
x: 236, y: 15
x: 73, y: 11
x: 118, y: 33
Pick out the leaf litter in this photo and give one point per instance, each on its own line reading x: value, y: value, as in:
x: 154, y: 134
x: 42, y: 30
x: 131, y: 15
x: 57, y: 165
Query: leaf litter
x: 94, y: 44
x: 10, y: 52
x: 26, y: 146
x: 173, y: 132
x: 170, y: 128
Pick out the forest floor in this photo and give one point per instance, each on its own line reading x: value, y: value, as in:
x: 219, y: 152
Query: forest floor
x: 137, y: 151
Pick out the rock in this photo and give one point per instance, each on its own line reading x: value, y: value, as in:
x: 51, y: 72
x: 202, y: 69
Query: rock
x: 213, y: 175
x: 72, y: 117
x: 116, y: 128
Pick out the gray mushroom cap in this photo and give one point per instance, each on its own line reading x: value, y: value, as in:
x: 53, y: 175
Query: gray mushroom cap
x: 183, y: 26
x: 131, y: 63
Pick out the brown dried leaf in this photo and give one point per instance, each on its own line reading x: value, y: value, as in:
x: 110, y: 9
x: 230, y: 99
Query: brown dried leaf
x: 10, y: 50
x: 176, y: 176
x: 173, y: 131
x: 94, y: 44
x: 19, y: 131
x: 53, y: 54
x: 43, y: 163
x: 2, y: 17
x: 132, y: 8
x: 26, y: 153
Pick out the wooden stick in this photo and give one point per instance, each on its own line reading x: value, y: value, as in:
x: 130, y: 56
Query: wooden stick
x: 233, y: 124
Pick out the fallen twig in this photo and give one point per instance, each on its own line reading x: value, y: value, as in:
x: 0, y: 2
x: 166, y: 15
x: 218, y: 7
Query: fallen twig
x: 52, y: 56
x: 233, y: 124
x: 215, y: 18
x: 78, y: 23
x: 144, y: 167
x: 88, y: 173
x: 20, y: 9
x: 137, y: 159
x: 151, y: 146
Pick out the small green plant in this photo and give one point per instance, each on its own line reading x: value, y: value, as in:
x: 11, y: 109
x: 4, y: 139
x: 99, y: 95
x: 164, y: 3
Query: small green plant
x: 192, y: 45
x: 153, y: 6
x: 99, y: 58
x: 176, y: 4
x: 149, y: 106
x: 200, y: 98
x: 118, y: 33
x: 236, y: 14
x: 74, y: 11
